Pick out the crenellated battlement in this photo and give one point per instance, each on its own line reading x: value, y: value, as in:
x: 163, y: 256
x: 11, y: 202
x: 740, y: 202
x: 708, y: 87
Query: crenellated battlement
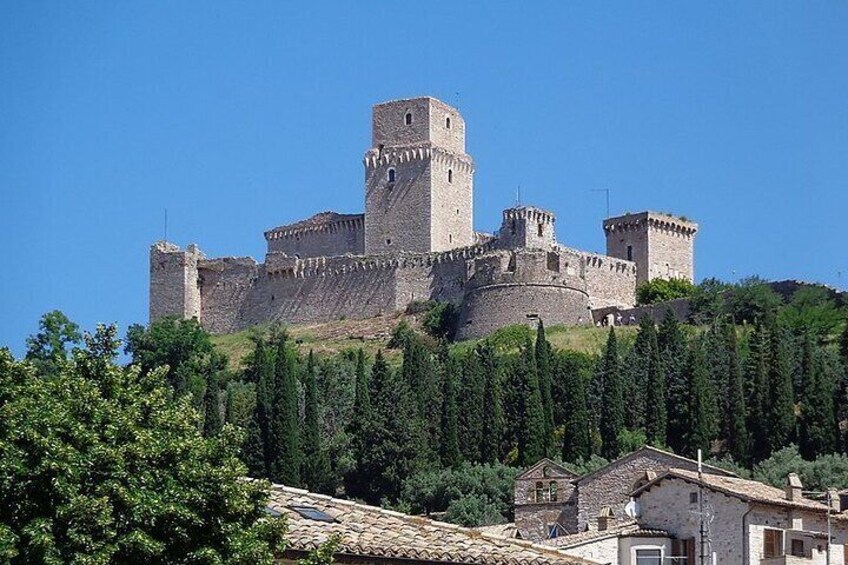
x: 651, y: 221
x: 334, y: 223
x: 376, y: 157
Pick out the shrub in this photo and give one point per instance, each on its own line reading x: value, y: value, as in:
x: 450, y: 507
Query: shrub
x: 661, y: 290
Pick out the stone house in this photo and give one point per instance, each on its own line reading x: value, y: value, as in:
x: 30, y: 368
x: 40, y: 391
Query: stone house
x: 580, y: 501
x: 373, y: 536
x: 744, y: 522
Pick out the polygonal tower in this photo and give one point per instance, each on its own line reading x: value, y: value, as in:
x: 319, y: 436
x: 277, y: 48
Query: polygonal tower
x: 418, y: 179
x: 527, y: 226
x: 661, y: 245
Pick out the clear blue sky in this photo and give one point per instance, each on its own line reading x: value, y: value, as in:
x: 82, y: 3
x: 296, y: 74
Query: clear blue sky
x: 240, y: 116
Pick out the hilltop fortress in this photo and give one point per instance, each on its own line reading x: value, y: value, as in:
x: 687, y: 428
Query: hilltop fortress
x: 416, y: 241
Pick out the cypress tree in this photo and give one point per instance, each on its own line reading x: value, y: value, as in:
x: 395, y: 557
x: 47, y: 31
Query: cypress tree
x: 758, y: 393
x: 672, y: 346
x: 781, y: 409
x: 256, y: 451
x: 577, y: 441
x: 286, y: 449
x: 612, y: 410
x: 212, y: 423
x: 635, y: 373
x: 656, y: 422
x: 544, y: 371
x: 316, y: 465
x: 356, y: 480
x: 703, y: 418
x: 531, y: 417
x: 423, y: 380
x: 493, y: 419
x: 470, y: 405
x: 817, y: 432
x: 450, y: 433
x: 736, y: 411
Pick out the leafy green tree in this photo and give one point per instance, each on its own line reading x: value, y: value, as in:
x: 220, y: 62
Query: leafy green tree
x: 493, y: 415
x: 703, y: 424
x: 440, y: 322
x: 673, y: 353
x: 316, y: 465
x: 753, y: 300
x: 812, y: 309
x: 240, y: 404
x: 735, y: 429
x: 826, y: 471
x: 661, y: 290
x: 212, y: 422
x: 285, y: 448
x: 709, y: 302
x: 576, y: 437
x: 103, y: 464
x: 49, y: 347
x: 545, y: 373
x: 612, y: 411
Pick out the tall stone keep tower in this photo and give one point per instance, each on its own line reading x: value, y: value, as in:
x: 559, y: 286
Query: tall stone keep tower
x: 174, y: 284
x: 418, y: 179
x: 662, y: 246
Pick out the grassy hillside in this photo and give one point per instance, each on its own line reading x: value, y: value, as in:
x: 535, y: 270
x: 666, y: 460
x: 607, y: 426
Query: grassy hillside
x: 374, y: 333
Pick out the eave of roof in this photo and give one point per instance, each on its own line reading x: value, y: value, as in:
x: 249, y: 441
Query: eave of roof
x: 550, y: 463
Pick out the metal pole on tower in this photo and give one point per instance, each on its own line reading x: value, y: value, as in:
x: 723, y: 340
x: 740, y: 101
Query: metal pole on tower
x: 166, y: 224
x: 607, y: 193
x: 701, y: 509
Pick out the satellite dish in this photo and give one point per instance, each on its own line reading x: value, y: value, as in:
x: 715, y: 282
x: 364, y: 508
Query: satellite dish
x: 632, y: 509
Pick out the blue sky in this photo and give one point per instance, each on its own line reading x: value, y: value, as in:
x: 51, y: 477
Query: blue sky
x: 237, y: 117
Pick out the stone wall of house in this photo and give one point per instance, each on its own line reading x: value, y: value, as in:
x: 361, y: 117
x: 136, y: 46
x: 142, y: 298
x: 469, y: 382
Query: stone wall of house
x: 344, y: 234
x: 604, y: 550
x: 537, y: 508
x: 612, y: 486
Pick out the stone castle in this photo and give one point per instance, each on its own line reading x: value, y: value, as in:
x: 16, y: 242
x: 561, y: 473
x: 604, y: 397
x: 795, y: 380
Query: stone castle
x: 416, y: 241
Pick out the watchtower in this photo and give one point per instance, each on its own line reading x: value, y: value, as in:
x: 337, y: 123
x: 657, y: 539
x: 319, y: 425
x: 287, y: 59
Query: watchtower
x: 661, y: 245
x: 418, y: 179
x: 527, y: 226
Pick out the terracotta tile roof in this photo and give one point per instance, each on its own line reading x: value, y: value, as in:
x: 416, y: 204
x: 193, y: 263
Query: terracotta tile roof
x: 744, y: 489
x: 624, y: 529
x: 503, y: 530
x: 369, y: 531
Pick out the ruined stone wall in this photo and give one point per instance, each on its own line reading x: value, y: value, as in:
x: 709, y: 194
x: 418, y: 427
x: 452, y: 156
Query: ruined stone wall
x: 522, y: 286
x: 230, y: 288
x: 174, y: 286
x: 326, y: 239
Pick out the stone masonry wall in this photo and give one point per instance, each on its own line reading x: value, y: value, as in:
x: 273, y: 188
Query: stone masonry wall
x: 174, y: 286
x: 328, y: 239
x: 536, y: 509
x: 609, y: 281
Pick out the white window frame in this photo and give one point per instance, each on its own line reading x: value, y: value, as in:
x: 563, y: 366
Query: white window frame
x: 636, y: 548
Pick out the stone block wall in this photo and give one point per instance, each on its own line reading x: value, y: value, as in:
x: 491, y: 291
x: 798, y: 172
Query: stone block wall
x: 609, y: 281
x: 527, y: 226
x: 174, y: 284
x: 338, y: 235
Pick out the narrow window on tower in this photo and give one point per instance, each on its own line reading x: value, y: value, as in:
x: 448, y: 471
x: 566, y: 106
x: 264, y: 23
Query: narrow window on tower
x: 450, y: 175
x: 541, y: 230
x: 408, y: 118
x: 447, y: 123
x: 391, y: 176
x: 629, y: 252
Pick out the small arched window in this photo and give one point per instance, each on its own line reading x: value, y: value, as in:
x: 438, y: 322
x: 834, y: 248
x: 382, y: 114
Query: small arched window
x: 408, y: 118
x: 450, y: 175
x: 391, y: 175
x: 447, y: 122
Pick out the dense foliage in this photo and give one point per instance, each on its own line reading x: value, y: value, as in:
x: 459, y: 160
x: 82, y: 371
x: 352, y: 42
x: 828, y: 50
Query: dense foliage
x: 105, y: 464
x: 661, y: 290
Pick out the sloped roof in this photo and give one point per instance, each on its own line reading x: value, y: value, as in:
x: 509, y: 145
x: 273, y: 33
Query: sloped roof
x: 550, y: 463
x: 369, y: 531
x: 503, y: 530
x: 649, y: 449
x: 743, y: 489
x: 625, y: 529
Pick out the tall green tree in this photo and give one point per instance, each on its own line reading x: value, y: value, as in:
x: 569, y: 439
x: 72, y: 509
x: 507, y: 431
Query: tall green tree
x: 316, y: 472
x: 212, y: 422
x: 576, y: 437
x: 449, y: 444
x: 703, y: 424
x: 493, y: 414
x: 286, y: 450
x: 656, y: 421
x: 673, y: 353
x: 544, y: 370
x: 530, y: 424
x: 757, y: 378
x: 356, y: 480
x: 735, y: 429
x: 612, y: 410
x: 423, y: 378
x: 781, y: 409
x: 103, y: 464
x: 817, y: 433
x: 471, y: 390
x: 257, y: 447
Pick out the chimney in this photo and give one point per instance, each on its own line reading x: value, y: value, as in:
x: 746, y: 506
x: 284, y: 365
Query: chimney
x: 793, y: 488
x: 833, y: 500
x: 606, y: 519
